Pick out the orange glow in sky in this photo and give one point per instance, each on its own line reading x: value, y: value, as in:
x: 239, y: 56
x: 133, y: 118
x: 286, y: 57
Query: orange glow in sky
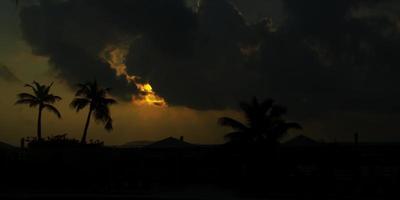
x: 115, y: 56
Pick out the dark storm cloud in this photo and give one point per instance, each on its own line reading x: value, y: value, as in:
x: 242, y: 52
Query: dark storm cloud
x: 73, y: 33
x: 324, y: 55
x: 330, y: 59
x: 213, y: 74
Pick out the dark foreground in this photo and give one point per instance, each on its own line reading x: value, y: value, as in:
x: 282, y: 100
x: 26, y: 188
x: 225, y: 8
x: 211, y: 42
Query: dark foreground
x: 329, y: 171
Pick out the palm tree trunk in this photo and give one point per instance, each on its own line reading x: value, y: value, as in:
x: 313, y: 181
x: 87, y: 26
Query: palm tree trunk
x: 39, y: 125
x: 83, y: 140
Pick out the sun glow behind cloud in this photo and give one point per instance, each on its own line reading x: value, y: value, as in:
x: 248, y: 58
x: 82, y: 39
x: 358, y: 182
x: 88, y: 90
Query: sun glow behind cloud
x: 115, y: 56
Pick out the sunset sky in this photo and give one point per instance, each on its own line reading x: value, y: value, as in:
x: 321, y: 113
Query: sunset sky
x: 335, y: 65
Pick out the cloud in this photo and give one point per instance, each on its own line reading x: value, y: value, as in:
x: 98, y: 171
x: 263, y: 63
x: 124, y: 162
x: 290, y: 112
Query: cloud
x: 7, y: 75
x: 173, y: 52
x: 326, y: 59
x: 322, y: 56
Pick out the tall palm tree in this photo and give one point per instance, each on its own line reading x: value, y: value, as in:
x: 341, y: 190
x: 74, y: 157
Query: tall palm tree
x: 90, y: 94
x: 264, y: 123
x: 40, y: 98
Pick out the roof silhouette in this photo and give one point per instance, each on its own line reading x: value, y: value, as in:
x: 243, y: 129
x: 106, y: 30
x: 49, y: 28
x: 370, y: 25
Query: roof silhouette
x: 301, y: 140
x: 169, y: 142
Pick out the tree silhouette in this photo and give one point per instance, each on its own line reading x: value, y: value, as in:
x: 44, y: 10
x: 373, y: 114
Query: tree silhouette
x: 42, y: 99
x: 264, y: 123
x: 90, y: 94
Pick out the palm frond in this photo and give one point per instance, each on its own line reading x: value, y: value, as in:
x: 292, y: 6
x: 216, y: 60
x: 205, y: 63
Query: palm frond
x: 47, y: 88
x: 265, y: 122
x: 101, y: 113
x: 237, y: 137
x: 83, y: 89
x: 30, y: 102
x: 226, y: 121
x: 26, y: 96
x: 101, y: 93
x: 39, y: 89
x: 37, y: 85
x: 41, y: 97
x: 109, y: 101
x: 91, y: 94
x: 32, y: 87
x: 109, y: 126
x: 52, y: 109
x: 57, y: 98
x: 51, y: 98
x: 51, y: 85
x: 79, y: 103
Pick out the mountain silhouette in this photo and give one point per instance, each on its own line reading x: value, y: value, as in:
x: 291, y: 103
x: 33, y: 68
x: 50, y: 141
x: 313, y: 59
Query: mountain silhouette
x: 7, y: 75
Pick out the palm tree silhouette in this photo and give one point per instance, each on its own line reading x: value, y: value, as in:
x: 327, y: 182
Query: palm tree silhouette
x: 40, y: 98
x: 90, y: 94
x: 264, y: 123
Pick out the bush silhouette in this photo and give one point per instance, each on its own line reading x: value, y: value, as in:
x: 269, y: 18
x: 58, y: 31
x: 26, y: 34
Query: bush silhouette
x: 60, y: 141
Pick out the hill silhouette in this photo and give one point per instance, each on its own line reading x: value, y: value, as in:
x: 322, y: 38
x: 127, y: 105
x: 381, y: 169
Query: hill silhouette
x: 301, y: 140
x: 170, y: 142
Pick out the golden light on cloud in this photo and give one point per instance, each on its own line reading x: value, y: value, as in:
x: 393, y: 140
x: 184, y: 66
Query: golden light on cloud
x: 115, y: 56
x: 147, y: 96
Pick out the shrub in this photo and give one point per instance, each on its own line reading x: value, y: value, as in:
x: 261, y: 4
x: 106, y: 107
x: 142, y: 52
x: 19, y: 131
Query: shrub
x: 58, y: 141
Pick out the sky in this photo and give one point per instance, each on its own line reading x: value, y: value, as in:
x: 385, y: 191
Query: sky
x: 334, y: 64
